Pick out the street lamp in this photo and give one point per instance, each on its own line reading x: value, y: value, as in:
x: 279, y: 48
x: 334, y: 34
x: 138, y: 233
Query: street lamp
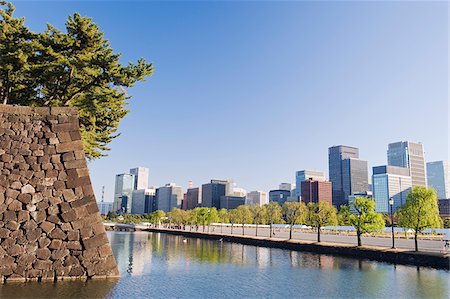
x: 391, y: 204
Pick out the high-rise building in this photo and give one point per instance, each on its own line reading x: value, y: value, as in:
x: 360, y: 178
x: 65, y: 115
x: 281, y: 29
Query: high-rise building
x: 409, y: 155
x: 142, y: 201
x: 285, y: 186
x: 141, y: 175
x: 231, y: 202
x: 303, y: 175
x: 168, y: 197
x: 279, y: 196
x: 316, y: 191
x: 123, y: 191
x: 256, y: 198
x: 193, y: 198
x: 212, y: 192
x: 438, y: 175
x: 347, y: 173
x: 355, y: 177
x: 390, y: 182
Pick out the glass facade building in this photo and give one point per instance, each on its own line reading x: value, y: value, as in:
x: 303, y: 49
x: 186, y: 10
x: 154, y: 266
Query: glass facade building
x: 409, y: 155
x: 141, y: 201
x: 303, y: 175
x: 390, y: 181
x: 231, y: 202
x: 279, y: 196
x: 141, y: 175
x: 355, y: 177
x: 438, y: 176
x: 212, y: 192
x: 123, y: 191
x: 168, y: 197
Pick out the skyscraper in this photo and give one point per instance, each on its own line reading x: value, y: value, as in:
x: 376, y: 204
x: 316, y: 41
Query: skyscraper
x: 316, y: 191
x: 123, y: 190
x: 140, y: 177
x: 168, y: 197
x: 279, y: 196
x: 212, y: 192
x: 390, y: 181
x: 142, y: 201
x: 410, y: 155
x: 193, y: 198
x: 303, y: 175
x: 256, y: 198
x: 438, y: 175
x: 355, y: 177
x: 341, y: 174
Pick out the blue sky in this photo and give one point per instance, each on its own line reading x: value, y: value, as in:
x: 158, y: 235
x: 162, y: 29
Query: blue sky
x: 257, y: 90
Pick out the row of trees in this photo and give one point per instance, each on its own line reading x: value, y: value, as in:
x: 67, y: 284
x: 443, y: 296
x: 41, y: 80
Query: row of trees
x: 419, y: 213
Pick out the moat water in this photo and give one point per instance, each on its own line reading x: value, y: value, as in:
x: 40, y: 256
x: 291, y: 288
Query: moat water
x: 154, y: 265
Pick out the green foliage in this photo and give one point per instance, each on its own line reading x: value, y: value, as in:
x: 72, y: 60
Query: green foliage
x: 420, y: 211
x: 294, y: 213
x: 111, y: 216
x: 320, y: 214
x: 76, y: 68
x: 344, y: 216
x: 273, y: 215
x: 223, y: 216
x: 366, y: 220
x: 258, y: 214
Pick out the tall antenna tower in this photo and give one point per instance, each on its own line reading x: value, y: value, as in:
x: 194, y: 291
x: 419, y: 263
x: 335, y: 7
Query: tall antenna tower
x: 103, y: 193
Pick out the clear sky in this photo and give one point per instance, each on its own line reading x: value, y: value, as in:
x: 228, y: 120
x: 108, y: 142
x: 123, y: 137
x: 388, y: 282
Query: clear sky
x: 254, y: 91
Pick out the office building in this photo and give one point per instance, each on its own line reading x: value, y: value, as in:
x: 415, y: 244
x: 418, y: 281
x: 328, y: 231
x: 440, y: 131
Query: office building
x: 444, y: 207
x: 303, y: 175
x: 193, y: 198
x: 348, y: 174
x: 279, y: 196
x: 256, y: 198
x: 390, y: 181
x: 355, y: 177
x: 142, y: 201
x: 231, y: 202
x: 438, y: 175
x: 141, y: 175
x: 168, y: 197
x: 104, y: 207
x: 409, y: 155
x: 123, y: 191
x: 212, y: 192
x: 316, y: 191
x: 285, y: 186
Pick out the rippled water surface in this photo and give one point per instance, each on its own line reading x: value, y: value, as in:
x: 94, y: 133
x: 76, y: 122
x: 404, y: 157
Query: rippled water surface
x: 163, y: 266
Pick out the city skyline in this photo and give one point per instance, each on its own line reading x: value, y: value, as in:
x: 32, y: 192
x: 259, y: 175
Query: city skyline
x: 240, y: 93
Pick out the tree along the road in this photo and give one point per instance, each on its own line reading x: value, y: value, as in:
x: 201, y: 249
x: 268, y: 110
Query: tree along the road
x: 223, y: 218
x: 156, y: 217
x: 77, y: 68
x: 365, y: 220
x: 320, y: 214
x: 420, y: 211
x: 259, y: 216
x: 273, y: 214
x: 244, y: 216
x: 234, y: 218
x: 294, y: 213
x: 213, y: 216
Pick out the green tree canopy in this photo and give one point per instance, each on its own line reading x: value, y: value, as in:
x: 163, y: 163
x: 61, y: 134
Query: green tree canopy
x: 320, y: 214
x: 259, y: 215
x: 366, y: 220
x: 273, y: 215
x: 76, y: 68
x: 420, y: 211
x: 294, y: 213
x: 244, y: 216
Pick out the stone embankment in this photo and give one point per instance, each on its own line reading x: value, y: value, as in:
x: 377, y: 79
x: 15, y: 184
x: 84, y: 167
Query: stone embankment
x: 50, y: 227
x: 395, y: 256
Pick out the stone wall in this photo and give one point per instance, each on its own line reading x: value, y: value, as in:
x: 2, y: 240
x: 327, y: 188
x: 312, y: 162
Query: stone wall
x: 50, y: 227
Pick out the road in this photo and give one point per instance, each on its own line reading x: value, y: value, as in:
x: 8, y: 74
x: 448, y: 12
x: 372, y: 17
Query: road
x: 401, y: 243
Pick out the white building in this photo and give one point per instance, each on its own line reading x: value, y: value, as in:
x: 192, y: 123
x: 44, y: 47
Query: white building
x: 256, y: 198
x: 141, y: 175
x: 438, y: 175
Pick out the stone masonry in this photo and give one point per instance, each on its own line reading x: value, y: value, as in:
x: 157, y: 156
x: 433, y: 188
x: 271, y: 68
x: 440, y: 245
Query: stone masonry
x: 50, y: 227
